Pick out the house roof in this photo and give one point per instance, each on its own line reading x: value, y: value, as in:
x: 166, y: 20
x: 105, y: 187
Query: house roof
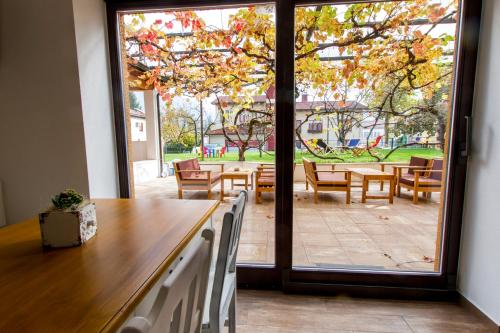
x: 136, y: 113
x: 302, y: 105
x: 218, y: 131
x: 232, y: 131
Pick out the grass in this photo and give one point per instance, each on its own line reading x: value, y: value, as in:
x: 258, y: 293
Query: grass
x: 400, y: 155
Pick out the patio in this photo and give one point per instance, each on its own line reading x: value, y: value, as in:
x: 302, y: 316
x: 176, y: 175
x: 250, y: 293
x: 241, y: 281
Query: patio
x: 375, y: 235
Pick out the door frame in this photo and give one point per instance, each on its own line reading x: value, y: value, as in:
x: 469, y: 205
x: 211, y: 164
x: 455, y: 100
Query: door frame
x: 282, y: 275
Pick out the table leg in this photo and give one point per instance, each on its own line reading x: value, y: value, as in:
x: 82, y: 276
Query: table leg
x: 365, y: 189
x: 251, y: 181
x: 232, y: 184
x: 246, y: 183
x: 382, y: 168
x: 222, y: 189
x: 391, y: 190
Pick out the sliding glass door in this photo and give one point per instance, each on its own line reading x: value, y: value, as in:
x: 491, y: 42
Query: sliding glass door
x: 347, y: 121
x: 374, y: 97
x: 201, y: 86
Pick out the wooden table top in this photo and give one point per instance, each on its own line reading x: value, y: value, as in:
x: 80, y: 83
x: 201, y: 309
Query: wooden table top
x: 239, y: 172
x: 369, y: 172
x: 94, y: 287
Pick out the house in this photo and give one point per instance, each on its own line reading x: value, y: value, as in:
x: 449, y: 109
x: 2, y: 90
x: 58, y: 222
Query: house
x: 138, y: 125
x: 323, y: 127
x: 63, y: 125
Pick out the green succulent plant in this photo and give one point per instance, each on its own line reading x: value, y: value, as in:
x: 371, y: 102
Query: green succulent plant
x: 67, y: 199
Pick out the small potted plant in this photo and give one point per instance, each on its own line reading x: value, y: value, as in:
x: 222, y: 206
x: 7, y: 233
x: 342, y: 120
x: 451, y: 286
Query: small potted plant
x: 70, y: 222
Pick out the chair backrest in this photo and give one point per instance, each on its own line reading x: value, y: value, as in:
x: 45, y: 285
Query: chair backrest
x: 376, y: 142
x: 436, y: 165
x: 416, y: 161
x: 322, y: 144
x: 226, y: 257
x: 310, y: 170
x: 178, y: 307
x: 191, y: 164
x: 353, y: 143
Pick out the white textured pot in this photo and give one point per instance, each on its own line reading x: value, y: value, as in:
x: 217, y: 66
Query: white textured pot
x: 71, y: 227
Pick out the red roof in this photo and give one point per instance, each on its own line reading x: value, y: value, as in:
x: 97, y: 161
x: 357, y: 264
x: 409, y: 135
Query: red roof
x: 219, y: 131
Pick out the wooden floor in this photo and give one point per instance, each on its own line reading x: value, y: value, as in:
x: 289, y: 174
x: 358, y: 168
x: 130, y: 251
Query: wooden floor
x: 375, y: 235
x: 274, y: 312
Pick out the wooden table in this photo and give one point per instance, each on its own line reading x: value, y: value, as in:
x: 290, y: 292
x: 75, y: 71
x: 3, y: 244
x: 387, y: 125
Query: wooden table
x: 367, y: 174
x: 231, y: 173
x: 95, y: 287
x: 382, y: 168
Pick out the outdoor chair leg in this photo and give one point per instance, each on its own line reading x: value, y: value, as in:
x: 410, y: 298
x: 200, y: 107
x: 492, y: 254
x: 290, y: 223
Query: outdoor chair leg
x: 415, y: 196
x: 180, y: 194
x: 315, y: 196
x: 348, y: 197
x: 307, y: 186
x: 209, y: 194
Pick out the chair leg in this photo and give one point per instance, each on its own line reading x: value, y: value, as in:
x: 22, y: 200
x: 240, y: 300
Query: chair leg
x: 180, y: 194
x: 209, y: 195
x: 315, y: 196
x: 348, y: 196
x: 398, y: 192
x: 415, y: 196
x: 232, y: 314
x: 307, y: 186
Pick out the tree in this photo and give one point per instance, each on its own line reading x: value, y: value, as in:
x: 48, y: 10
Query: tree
x: 182, y: 124
x: 385, y: 49
x: 134, y: 101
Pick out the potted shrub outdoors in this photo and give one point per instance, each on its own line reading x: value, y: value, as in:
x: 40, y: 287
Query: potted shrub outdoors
x: 70, y: 222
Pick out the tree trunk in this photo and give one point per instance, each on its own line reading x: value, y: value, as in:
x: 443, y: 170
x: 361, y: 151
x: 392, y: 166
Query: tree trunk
x: 241, y: 153
x: 386, y: 131
x: 441, y: 130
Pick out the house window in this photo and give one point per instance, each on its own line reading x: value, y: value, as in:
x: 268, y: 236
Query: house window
x: 298, y: 126
x: 315, y: 127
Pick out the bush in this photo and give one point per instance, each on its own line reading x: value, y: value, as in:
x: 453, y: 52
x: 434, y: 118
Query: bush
x: 175, y: 148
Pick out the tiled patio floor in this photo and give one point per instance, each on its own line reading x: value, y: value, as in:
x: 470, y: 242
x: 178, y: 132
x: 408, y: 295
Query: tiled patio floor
x: 375, y: 235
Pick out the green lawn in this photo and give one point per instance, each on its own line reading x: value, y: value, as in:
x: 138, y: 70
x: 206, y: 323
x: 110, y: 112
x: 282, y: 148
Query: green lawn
x: 400, y: 155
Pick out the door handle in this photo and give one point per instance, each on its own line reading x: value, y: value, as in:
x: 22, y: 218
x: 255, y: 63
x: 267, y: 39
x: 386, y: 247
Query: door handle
x: 468, y: 137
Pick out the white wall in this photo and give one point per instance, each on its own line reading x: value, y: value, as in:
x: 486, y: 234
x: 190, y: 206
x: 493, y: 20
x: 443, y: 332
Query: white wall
x: 95, y: 86
x: 479, y: 274
x: 42, y: 146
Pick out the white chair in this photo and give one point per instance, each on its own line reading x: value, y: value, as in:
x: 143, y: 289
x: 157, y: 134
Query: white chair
x: 179, y: 305
x: 221, y: 294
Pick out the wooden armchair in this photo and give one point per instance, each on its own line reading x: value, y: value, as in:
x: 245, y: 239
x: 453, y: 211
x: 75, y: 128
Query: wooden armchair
x: 265, y: 180
x: 189, y: 176
x: 327, y: 180
x: 425, y: 178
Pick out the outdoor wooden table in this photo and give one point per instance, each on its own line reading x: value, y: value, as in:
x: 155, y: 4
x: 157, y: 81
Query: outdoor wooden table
x: 382, y: 168
x: 231, y: 173
x: 95, y: 287
x: 367, y: 174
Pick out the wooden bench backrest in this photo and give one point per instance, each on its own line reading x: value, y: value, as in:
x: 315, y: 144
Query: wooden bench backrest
x: 310, y: 170
x: 191, y: 164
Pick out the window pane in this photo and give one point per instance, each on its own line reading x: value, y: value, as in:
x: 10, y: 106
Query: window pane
x: 374, y: 93
x: 202, y: 83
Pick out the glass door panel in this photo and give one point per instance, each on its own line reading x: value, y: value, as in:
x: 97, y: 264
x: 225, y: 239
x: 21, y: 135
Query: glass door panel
x: 200, y: 87
x: 374, y: 90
